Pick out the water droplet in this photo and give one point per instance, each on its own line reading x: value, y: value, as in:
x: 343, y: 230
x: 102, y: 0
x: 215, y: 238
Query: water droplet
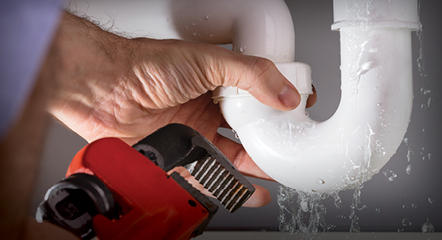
x: 431, y: 201
x: 182, y: 15
x: 429, y: 102
x: 207, y: 17
x: 193, y: 24
x: 242, y: 49
x: 338, y: 201
x: 320, y: 181
x: 286, y: 57
x: 405, y: 206
x: 414, y: 205
x: 355, y: 229
x: 408, y: 170
x: 304, y: 205
x: 194, y: 34
x: 236, y: 134
x: 409, y: 155
x: 427, y: 227
x: 378, y: 210
x: 406, y: 222
x: 390, y: 175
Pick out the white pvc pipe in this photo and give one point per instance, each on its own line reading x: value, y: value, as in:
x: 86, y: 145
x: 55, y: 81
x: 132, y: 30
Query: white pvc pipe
x: 358, y: 140
x: 370, y: 122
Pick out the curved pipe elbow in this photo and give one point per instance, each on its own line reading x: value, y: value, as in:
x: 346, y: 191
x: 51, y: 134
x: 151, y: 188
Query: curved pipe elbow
x: 261, y: 28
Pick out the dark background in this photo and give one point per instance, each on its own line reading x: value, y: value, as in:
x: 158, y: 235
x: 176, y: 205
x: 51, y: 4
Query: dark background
x: 415, y: 197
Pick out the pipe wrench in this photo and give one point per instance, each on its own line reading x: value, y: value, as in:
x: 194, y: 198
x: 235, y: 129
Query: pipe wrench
x: 116, y: 191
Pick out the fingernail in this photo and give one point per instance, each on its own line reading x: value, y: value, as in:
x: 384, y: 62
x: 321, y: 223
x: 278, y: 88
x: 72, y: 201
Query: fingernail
x: 289, y: 97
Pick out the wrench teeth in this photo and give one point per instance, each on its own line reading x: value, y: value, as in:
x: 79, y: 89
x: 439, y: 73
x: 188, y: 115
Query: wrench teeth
x: 229, y: 189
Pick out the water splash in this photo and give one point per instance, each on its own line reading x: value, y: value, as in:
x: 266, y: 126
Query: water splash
x: 356, y: 205
x: 390, y: 175
x: 406, y: 222
x: 302, y: 212
x: 427, y: 227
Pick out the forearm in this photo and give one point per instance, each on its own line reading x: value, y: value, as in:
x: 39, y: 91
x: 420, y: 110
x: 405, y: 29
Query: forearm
x: 20, y: 152
x: 91, y: 73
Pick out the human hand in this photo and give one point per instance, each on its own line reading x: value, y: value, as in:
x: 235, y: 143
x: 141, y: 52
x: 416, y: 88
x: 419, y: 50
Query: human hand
x: 109, y: 86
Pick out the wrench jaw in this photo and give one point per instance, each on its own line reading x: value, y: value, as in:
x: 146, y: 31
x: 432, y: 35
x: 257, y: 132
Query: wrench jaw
x: 228, y: 189
x: 178, y: 145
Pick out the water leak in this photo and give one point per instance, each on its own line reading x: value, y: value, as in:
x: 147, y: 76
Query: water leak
x: 420, y: 59
x: 406, y: 222
x: 390, y: 175
x: 427, y: 227
x: 301, y: 211
x: 356, y: 205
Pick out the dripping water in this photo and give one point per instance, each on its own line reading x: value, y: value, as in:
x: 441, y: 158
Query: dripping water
x: 302, y: 212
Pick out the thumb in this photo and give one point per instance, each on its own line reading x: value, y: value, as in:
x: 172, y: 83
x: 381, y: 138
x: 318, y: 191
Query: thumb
x: 261, y: 78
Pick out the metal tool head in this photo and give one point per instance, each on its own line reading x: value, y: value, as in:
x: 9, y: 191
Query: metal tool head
x: 179, y: 145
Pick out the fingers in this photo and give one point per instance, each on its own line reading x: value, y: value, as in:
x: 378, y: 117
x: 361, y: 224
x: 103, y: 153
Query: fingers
x: 259, y: 76
x: 239, y: 157
x: 259, y: 198
x: 187, y: 70
x: 262, y: 79
x: 312, y: 98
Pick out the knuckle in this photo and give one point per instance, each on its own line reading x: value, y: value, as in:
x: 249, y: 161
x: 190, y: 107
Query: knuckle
x: 261, y: 67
